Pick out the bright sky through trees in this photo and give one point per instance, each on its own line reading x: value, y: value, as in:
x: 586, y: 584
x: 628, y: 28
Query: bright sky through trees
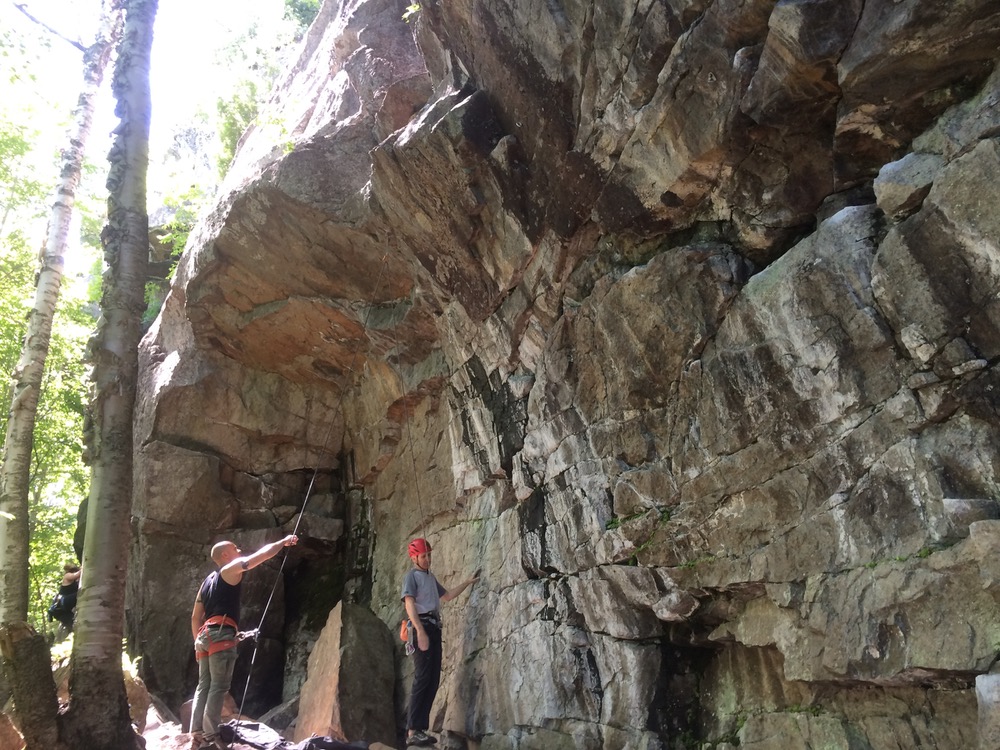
x: 190, y: 69
x: 195, y: 64
x: 187, y: 72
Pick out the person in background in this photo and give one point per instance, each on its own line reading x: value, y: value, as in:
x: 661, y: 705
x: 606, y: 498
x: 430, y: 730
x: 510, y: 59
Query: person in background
x: 215, y: 632
x: 63, y: 606
x: 422, y: 597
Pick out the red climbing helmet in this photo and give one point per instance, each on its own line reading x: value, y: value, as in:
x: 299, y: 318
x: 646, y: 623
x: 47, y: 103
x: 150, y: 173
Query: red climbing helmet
x: 419, y: 547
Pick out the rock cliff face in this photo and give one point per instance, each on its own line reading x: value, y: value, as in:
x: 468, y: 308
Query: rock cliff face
x: 678, y: 318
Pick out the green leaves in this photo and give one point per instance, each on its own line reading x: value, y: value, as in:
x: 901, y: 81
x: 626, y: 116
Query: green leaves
x: 30, y: 128
x: 21, y: 192
x: 236, y: 113
x: 59, y: 476
x: 303, y: 12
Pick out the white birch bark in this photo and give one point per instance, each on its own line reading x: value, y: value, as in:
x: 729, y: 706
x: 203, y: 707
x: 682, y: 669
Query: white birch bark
x: 98, y: 717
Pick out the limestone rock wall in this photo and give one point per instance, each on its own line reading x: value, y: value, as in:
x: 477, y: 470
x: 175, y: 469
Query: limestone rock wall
x: 678, y: 318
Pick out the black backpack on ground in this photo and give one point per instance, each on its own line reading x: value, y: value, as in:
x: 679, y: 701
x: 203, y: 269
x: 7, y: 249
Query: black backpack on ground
x: 262, y: 737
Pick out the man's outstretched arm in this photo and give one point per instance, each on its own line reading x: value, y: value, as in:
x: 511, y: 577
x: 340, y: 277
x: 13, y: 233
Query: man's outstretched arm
x: 232, y: 572
x: 450, y: 594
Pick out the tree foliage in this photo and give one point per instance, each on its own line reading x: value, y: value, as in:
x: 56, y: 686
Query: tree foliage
x: 259, y: 53
x: 58, y: 477
x: 236, y: 113
x: 21, y: 189
x: 167, y: 241
x: 303, y: 12
x: 27, y: 159
x: 17, y: 270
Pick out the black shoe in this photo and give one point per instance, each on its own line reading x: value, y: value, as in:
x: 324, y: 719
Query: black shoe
x: 420, y: 738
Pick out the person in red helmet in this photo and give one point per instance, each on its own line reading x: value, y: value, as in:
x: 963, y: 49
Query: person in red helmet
x: 422, y: 597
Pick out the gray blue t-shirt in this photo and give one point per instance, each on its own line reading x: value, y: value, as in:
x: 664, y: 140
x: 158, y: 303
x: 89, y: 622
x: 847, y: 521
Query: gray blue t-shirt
x: 425, y: 590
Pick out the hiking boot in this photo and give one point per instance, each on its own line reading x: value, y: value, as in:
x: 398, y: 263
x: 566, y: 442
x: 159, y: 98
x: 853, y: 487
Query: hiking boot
x: 420, y: 738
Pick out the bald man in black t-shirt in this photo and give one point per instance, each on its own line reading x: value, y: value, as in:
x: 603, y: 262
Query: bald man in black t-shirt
x: 215, y: 628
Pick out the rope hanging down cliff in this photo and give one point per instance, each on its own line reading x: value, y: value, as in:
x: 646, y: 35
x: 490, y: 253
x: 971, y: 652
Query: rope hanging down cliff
x: 407, y: 409
x: 312, y: 483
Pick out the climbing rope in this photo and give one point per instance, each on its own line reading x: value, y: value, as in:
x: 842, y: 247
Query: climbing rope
x: 409, y: 438
x: 309, y: 489
x: 413, y: 466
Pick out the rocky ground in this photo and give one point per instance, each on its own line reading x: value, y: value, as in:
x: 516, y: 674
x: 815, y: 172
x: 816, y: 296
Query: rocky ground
x: 164, y: 731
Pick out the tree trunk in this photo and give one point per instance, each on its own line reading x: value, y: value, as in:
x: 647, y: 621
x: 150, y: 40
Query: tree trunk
x: 15, y: 470
x: 28, y: 665
x: 98, y: 717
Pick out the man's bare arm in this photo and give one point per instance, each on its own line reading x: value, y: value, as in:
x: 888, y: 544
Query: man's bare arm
x: 450, y: 594
x: 197, y: 618
x: 232, y: 572
x: 410, y: 604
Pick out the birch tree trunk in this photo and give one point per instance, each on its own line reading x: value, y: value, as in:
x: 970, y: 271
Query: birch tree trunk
x: 16, y: 465
x: 98, y: 716
x: 30, y: 668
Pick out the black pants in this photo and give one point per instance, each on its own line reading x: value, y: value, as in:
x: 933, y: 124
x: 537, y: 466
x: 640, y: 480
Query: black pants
x: 62, y: 610
x: 426, y: 680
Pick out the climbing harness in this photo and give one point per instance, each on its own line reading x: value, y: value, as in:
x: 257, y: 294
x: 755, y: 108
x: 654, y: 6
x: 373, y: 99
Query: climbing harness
x: 214, y: 647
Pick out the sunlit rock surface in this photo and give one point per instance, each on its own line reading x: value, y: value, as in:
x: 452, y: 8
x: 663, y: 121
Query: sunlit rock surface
x: 676, y: 318
x: 349, y: 691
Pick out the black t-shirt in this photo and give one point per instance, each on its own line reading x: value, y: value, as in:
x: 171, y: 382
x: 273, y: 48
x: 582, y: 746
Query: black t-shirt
x: 69, y: 590
x: 220, y: 598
